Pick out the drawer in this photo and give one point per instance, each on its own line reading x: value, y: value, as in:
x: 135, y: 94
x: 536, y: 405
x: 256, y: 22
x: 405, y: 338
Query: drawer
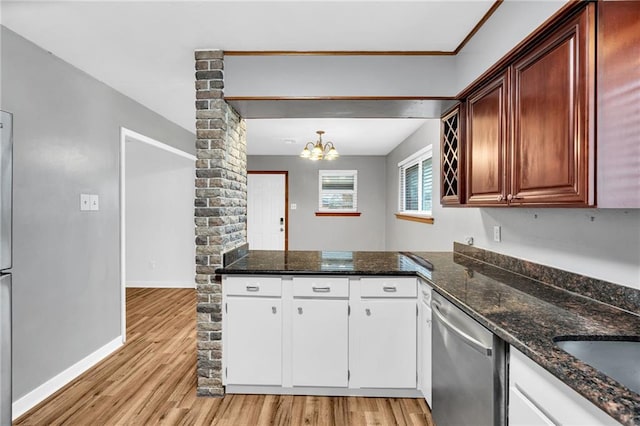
x: 252, y: 286
x: 320, y: 287
x: 388, y: 287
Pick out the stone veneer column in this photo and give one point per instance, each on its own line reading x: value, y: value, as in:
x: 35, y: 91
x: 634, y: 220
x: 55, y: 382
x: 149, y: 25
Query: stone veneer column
x: 220, y: 208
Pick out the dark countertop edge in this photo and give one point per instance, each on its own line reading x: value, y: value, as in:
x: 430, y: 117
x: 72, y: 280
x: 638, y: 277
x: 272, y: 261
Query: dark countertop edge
x: 222, y: 271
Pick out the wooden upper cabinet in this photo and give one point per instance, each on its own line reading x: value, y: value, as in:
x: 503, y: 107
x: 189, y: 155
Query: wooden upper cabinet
x: 553, y: 97
x: 530, y: 131
x: 451, y: 157
x: 487, y: 112
x: 618, y: 104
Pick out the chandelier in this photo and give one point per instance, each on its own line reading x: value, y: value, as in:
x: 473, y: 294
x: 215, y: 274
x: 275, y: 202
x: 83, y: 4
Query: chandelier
x: 320, y: 151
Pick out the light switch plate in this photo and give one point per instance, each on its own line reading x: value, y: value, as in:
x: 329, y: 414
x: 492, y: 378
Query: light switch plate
x: 294, y: 206
x: 85, y: 202
x: 94, y: 202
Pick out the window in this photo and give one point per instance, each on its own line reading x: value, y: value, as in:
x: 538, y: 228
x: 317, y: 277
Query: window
x: 338, y: 190
x: 416, y: 183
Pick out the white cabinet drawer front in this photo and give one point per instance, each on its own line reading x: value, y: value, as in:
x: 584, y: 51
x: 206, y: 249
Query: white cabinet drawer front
x: 252, y: 286
x: 538, y: 397
x: 388, y: 287
x: 320, y: 287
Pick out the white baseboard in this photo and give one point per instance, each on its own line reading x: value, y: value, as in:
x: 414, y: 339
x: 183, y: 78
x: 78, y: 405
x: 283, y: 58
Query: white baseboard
x: 52, y: 385
x: 308, y: 390
x: 161, y: 284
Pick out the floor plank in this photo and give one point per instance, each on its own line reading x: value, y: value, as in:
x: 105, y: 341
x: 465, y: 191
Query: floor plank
x: 152, y: 379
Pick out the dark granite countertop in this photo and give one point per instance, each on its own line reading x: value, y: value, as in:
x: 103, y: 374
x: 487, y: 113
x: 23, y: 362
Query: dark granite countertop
x: 267, y: 262
x: 526, y: 313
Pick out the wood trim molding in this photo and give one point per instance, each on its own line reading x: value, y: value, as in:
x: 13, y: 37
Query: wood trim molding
x: 479, y: 25
x: 338, y: 214
x: 473, y: 31
x: 414, y: 218
x: 339, y: 98
x: 286, y: 198
x: 267, y: 172
x: 555, y: 20
x: 338, y: 53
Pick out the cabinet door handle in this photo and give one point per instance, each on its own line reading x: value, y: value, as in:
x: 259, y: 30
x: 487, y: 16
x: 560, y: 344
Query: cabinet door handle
x: 253, y: 288
x: 321, y: 289
x: 274, y: 310
x: 299, y: 311
x: 368, y: 312
x: 390, y: 289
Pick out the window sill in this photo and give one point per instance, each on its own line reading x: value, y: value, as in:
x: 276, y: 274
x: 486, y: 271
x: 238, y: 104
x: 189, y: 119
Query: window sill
x: 415, y: 217
x: 343, y: 214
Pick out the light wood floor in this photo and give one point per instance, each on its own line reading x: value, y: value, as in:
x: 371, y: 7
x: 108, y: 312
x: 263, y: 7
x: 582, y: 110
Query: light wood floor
x: 152, y: 380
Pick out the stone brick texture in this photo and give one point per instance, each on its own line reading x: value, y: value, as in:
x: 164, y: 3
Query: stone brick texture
x: 220, y: 208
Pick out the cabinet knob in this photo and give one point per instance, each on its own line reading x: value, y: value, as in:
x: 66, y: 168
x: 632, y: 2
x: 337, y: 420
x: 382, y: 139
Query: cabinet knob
x: 513, y: 197
x: 500, y: 197
x: 273, y: 309
x: 368, y: 312
x: 299, y: 311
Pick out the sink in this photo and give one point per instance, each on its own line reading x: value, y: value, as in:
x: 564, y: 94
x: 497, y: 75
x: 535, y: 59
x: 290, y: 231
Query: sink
x: 618, y: 359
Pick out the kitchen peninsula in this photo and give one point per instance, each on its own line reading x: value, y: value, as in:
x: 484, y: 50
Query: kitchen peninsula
x: 525, y: 304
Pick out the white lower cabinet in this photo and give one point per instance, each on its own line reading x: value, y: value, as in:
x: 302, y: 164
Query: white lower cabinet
x: 386, y: 337
x: 536, y: 397
x: 253, y: 340
x: 320, y: 353
x: 322, y: 335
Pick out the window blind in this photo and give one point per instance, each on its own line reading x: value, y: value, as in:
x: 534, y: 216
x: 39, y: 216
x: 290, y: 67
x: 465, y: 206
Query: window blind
x: 412, y: 175
x: 427, y: 184
x: 416, y: 182
x: 338, y: 190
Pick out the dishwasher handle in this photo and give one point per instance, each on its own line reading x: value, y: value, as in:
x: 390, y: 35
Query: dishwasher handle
x: 474, y: 343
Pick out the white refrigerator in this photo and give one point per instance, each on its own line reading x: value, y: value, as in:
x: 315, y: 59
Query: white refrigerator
x: 6, y: 150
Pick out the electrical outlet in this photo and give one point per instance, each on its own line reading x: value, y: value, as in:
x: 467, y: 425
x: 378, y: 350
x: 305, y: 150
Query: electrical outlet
x: 496, y: 234
x: 85, y: 202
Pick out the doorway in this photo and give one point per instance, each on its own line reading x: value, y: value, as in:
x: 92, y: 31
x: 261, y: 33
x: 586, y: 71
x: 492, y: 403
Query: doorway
x: 267, y: 212
x: 156, y: 216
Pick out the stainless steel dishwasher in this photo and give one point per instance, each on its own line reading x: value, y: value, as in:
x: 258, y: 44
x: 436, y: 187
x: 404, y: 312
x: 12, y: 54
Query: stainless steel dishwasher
x: 469, y: 369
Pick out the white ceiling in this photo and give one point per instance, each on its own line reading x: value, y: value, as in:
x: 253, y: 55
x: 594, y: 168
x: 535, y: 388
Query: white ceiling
x: 351, y: 136
x: 144, y: 49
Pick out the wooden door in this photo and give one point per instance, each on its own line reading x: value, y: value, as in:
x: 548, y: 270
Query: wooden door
x: 253, y: 341
x: 267, y: 218
x: 552, y: 151
x: 487, y: 120
x: 386, y: 334
x: 618, y: 104
x: 320, y: 352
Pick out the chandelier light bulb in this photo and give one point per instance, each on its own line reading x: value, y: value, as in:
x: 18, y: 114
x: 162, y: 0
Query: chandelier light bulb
x: 319, y: 151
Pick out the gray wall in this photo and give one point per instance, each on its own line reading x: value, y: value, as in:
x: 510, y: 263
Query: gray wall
x: 66, y: 262
x: 308, y: 232
x: 159, y: 217
x: 602, y: 243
